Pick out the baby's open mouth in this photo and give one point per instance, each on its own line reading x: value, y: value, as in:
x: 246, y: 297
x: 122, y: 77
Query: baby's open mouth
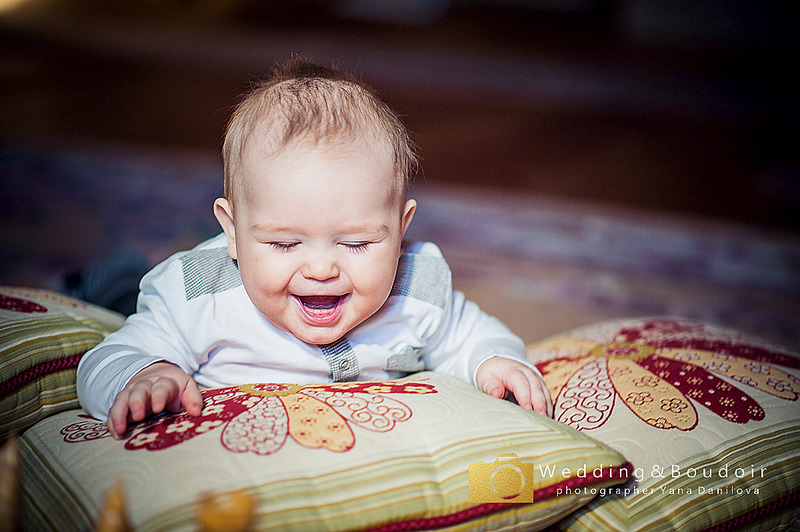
x: 319, y: 302
x: 321, y: 310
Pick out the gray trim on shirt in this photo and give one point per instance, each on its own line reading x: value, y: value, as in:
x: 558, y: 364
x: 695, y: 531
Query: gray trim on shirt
x: 423, y: 278
x: 342, y: 360
x: 409, y: 360
x: 209, y: 271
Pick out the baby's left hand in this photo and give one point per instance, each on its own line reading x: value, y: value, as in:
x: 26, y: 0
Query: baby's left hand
x: 500, y: 376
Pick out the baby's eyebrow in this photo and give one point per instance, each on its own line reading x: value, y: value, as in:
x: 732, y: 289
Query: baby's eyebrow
x: 369, y: 229
x: 376, y: 228
x: 269, y: 228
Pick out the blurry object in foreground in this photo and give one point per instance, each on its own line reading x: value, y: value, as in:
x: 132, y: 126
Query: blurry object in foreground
x: 113, y: 283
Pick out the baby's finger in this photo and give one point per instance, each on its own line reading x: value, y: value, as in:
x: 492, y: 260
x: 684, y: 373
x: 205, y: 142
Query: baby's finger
x: 164, y: 392
x: 117, y: 421
x: 547, y: 397
x: 519, y: 385
x: 139, y: 400
x: 191, y: 399
x: 494, y: 387
x: 539, y: 401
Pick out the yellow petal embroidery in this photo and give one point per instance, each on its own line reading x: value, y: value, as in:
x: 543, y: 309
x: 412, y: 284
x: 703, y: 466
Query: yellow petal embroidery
x: 270, y: 389
x: 655, y: 401
x: 314, y: 424
x: 761, y: 375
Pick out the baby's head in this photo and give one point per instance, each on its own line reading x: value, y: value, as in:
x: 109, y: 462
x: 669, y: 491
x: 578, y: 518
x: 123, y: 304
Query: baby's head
x: 316, y: 171
x: 303, y: 104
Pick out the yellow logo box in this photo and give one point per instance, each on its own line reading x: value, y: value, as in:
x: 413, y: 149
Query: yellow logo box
x: 506, y: 480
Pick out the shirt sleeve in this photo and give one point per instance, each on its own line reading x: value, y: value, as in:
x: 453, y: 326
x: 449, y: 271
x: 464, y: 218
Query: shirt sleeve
x: 154, y: 333
x: 463, y: 336
x: 468, y: 337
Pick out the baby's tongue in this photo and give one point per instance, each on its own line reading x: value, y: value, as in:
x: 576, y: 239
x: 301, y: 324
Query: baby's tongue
x: 320, y: 302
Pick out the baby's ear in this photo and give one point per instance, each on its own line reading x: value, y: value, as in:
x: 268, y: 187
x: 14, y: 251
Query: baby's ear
x: 224, y: 214
x: 408, y: 214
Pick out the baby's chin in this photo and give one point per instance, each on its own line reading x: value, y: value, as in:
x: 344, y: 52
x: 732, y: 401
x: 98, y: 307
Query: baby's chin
x: 320, y: 332
x: 318, y: 335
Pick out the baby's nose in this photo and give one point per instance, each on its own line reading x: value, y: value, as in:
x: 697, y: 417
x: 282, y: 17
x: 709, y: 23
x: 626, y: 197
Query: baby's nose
x: 320, y: 267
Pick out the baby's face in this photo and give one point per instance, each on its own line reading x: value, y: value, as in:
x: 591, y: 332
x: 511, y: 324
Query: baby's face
x: 316, y: 233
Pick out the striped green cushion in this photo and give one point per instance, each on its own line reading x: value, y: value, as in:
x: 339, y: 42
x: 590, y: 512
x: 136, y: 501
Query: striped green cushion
x: 412, y: 454
x: 709, y: 417
x: 42, y: 337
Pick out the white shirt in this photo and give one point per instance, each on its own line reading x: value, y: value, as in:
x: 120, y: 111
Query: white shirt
x: 193, y: 311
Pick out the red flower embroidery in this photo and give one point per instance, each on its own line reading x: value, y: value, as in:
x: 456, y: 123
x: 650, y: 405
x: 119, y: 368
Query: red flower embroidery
x: 677, y: 363
x: 258, y: 418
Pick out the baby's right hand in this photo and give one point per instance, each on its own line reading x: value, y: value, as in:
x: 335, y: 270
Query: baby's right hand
x: 158, y: 387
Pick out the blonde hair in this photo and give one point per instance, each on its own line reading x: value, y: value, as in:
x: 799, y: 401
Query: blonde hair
x: 306, y: 102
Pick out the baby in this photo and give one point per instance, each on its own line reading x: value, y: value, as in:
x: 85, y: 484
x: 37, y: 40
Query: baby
x: 310, y: 281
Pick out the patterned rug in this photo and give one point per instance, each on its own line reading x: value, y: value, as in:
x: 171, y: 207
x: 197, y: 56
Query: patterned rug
x: 543, y: 265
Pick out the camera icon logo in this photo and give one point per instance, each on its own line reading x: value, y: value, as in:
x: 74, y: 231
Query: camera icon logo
x: 506, y: 480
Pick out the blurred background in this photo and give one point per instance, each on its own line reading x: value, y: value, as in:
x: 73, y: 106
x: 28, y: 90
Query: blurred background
x: 581, y: 159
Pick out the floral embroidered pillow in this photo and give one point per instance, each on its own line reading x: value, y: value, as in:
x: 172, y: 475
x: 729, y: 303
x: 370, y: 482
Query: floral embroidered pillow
x: 709, y: 419
x: 43, y: 335
x: 423, y: 452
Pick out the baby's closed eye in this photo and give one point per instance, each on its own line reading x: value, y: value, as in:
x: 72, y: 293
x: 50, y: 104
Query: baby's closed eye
x: 283, y: 246
x: 356, y: 246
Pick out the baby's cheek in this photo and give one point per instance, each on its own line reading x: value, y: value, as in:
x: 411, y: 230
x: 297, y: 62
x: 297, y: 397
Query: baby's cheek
x: 380, y: 290
x: 269, y: 275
